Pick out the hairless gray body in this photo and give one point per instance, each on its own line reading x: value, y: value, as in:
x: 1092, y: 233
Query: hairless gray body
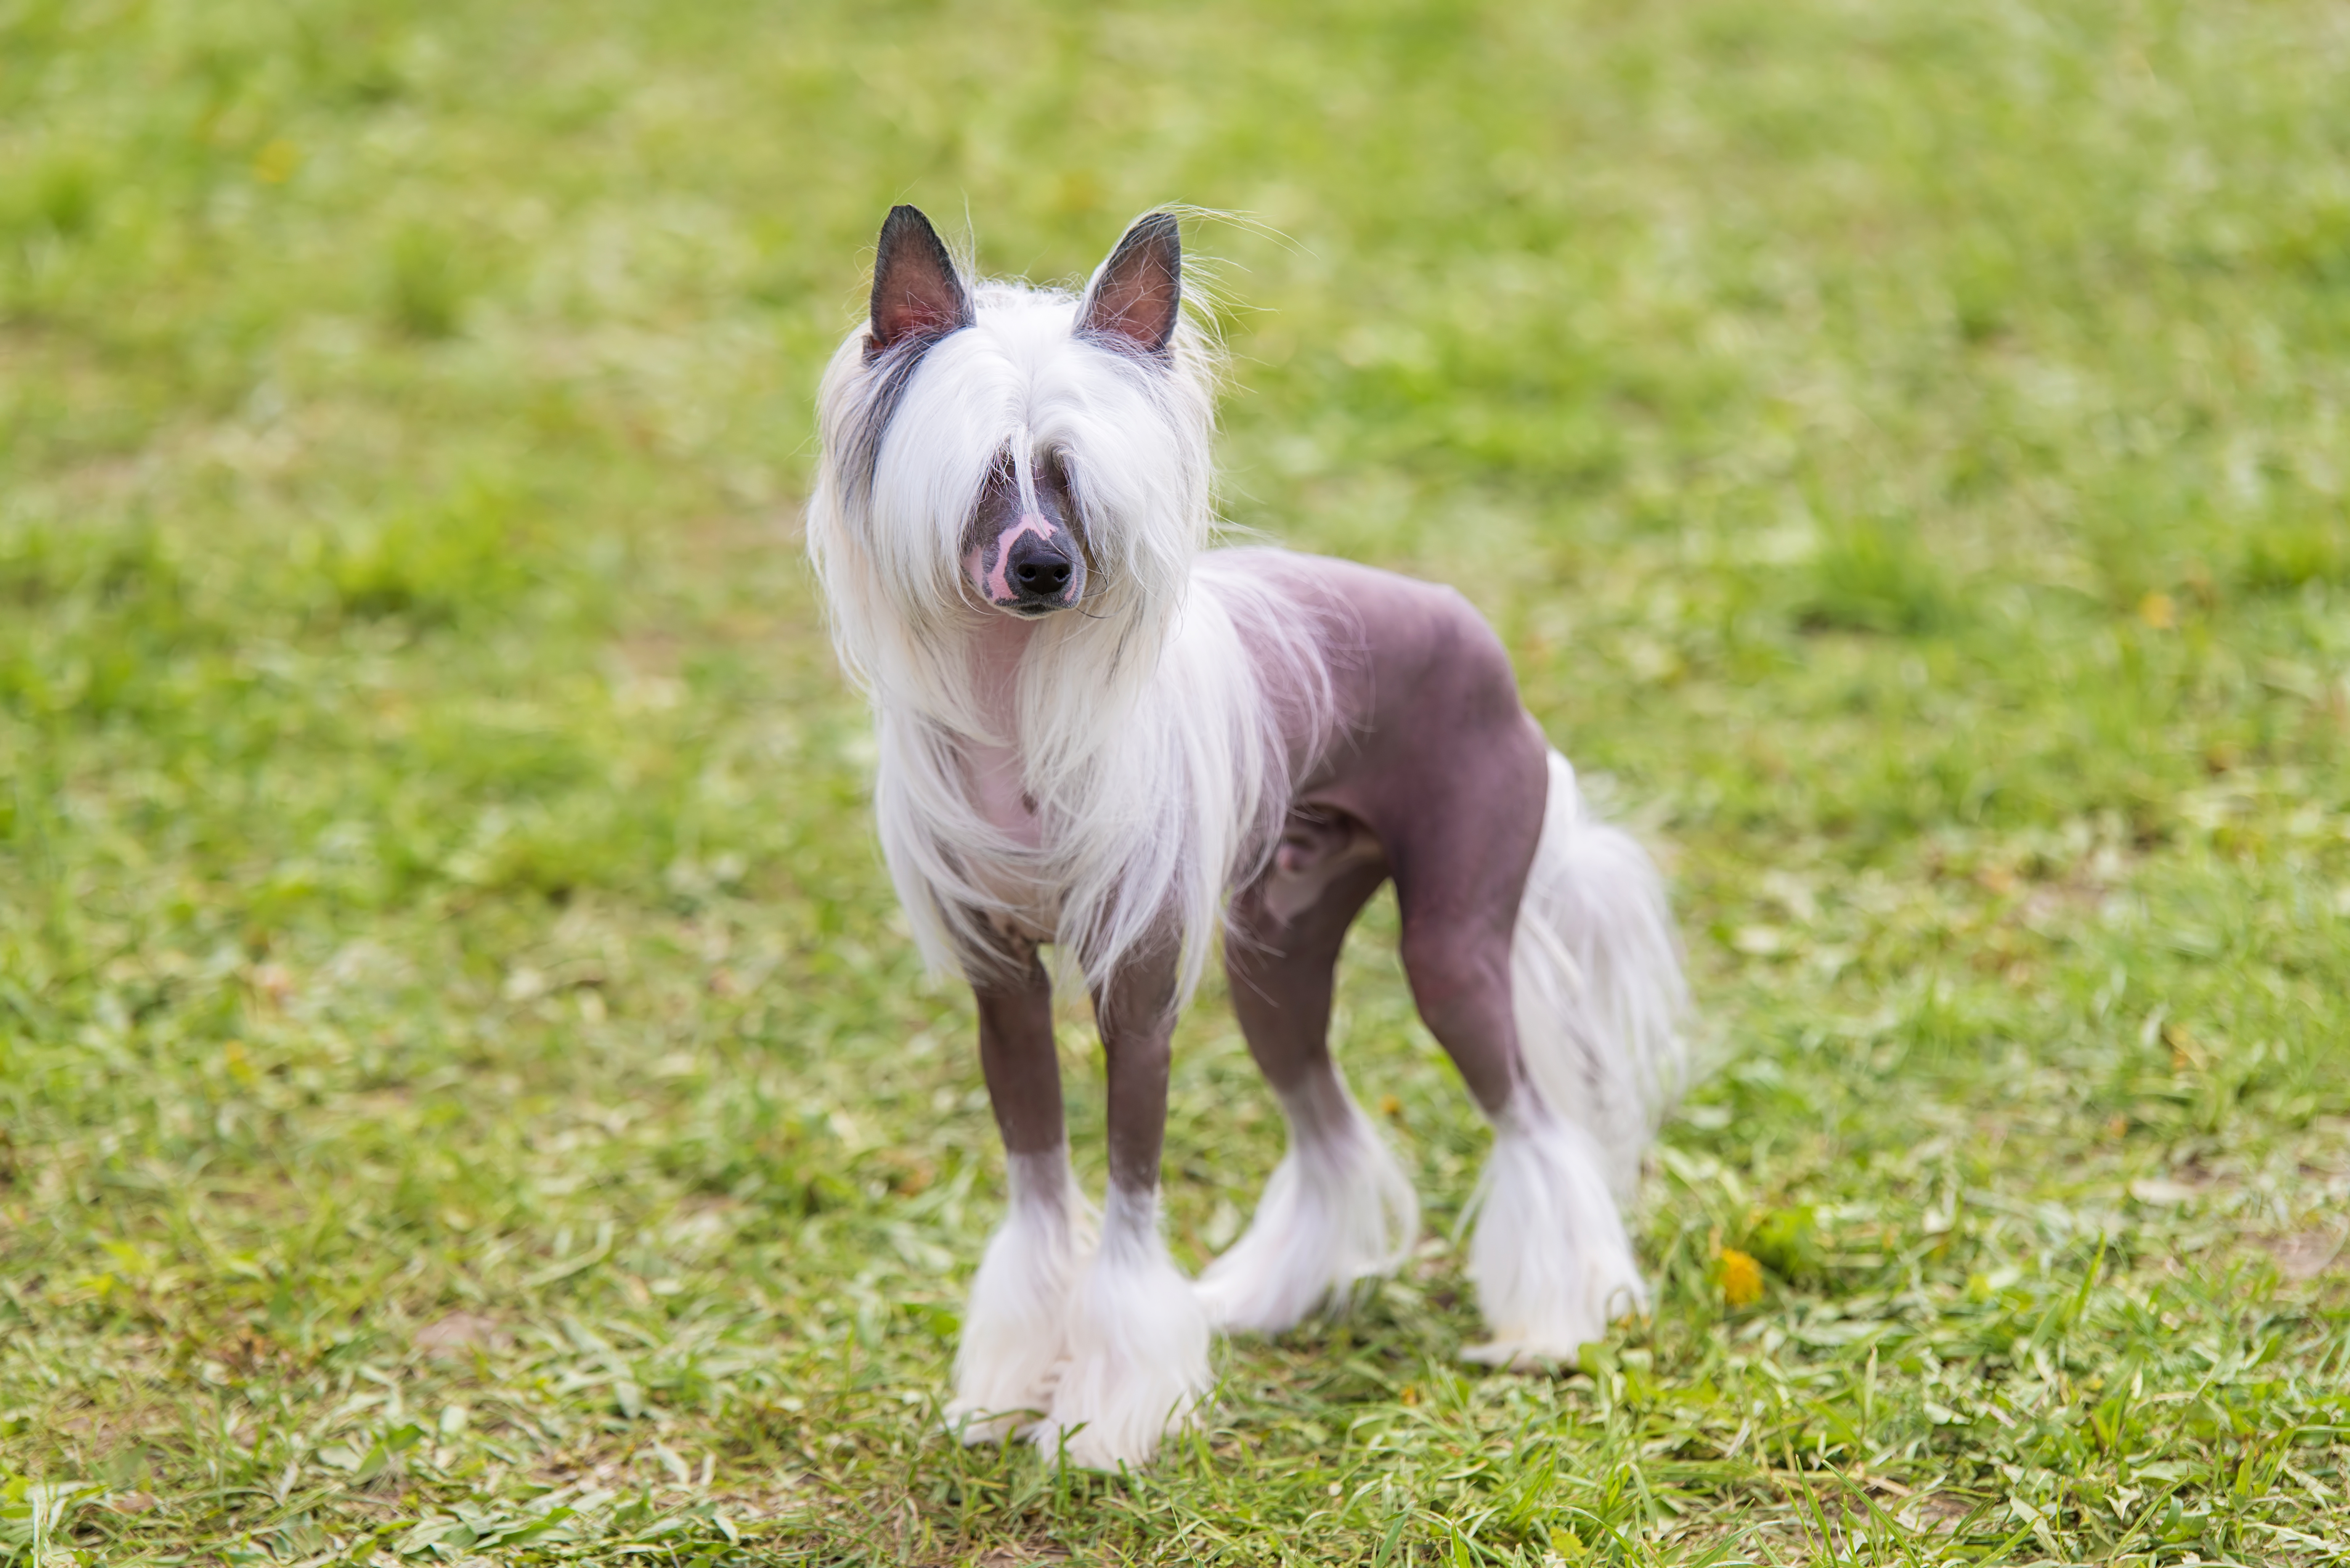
x: 1432, y: 774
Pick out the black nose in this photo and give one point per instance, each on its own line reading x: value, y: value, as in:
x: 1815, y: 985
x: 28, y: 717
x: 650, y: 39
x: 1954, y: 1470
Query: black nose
x: 1040, y: 569
x: 1042, y: 576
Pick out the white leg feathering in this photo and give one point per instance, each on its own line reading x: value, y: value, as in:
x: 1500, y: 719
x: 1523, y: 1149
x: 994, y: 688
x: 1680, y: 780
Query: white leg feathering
x: 1550, y: 1259
x: 1015, y: 1327
x: 1338, y: 1209
x: 1137, y: 1364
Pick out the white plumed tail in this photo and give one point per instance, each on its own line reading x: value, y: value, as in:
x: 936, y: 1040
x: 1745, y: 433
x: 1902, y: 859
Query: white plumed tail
x: 1596, y: 981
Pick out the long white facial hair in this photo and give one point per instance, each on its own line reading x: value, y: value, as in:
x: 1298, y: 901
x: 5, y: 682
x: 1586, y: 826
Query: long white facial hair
x: 1149, y: 749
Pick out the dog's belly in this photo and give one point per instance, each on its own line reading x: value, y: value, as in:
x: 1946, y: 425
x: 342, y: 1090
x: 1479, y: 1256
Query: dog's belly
x: 1317, y: 845
x: 1021, y: 904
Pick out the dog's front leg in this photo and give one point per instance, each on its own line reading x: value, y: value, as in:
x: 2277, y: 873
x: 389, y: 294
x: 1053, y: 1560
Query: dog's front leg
x: 1014, y: 1332
x: 1137, y: 1342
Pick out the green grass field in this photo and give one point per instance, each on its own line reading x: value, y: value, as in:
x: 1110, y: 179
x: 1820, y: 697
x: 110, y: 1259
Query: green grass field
x: 465, y: 1094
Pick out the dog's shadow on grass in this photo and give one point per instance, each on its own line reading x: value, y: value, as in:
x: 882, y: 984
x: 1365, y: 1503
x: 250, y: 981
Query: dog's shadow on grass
x: 1395, y: 1344
x: 1289, y: 1412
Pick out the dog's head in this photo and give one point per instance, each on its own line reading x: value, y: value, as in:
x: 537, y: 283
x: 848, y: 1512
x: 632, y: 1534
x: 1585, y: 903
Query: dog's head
x: 1018, y: 449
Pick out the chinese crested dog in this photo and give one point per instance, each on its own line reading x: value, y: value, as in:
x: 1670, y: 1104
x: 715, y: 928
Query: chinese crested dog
x: 1098, y: 734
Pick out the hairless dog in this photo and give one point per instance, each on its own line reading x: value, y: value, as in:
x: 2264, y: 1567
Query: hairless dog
x: 1099, y: 735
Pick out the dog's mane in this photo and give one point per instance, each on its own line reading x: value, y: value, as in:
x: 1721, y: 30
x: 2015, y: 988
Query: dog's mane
x: 1147, y: 720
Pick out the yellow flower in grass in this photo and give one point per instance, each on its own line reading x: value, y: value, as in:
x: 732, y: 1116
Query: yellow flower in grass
x: 1742, y: 1278
x: 274, y: 163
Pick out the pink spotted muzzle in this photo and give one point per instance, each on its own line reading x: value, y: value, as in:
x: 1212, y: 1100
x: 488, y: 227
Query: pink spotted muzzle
x: 1021, y: 551
x: 1031, y: 567
x: 1022, y: 556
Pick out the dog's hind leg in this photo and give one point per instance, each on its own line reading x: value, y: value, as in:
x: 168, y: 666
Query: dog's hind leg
x: 1136, y: 1362
x: 1339, y: 1209
x: 1015, y: 1327
x: 1550, y: 1259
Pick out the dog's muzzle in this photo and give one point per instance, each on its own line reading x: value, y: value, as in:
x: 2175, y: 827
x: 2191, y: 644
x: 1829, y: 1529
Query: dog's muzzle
x: 1032, y: 567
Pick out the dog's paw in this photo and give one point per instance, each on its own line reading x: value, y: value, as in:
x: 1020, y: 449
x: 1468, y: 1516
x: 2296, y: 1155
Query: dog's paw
x: 975, y: 1418
x: 1519, y: 1356
x: 996, y: 1403
x: 1120, y: 1412
x: 1550, y: 1259
x: 1136, y: 1366
x: 1015, y: 1325
x: 1338, y: 1211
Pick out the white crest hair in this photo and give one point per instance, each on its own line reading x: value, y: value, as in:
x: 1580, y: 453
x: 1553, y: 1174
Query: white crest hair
x: 1146, y: 737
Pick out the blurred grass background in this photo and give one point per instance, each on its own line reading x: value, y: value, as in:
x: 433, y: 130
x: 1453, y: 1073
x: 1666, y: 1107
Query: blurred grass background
x: 464, y: 1092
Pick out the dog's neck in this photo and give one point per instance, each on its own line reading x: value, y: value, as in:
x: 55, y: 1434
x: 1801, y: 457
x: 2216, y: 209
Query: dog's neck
x: 997, y: 646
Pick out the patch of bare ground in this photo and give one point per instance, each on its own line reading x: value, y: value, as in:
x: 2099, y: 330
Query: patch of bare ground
x: 1016, y: 1555
x: 1932, y: 1512
x: 2308, y: 1255
x: 1835, y: 1516
x: 458, y: 1334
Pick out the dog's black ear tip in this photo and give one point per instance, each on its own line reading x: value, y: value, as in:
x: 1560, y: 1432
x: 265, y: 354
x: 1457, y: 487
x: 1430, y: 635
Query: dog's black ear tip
x: 904, y: 222
x: 1160, y: 231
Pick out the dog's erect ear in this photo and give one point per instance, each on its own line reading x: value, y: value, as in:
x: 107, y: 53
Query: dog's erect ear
x: 917, y: 293
x: 1137, y: 296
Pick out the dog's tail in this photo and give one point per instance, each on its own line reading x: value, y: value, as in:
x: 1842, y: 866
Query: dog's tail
x: 1597, y: 976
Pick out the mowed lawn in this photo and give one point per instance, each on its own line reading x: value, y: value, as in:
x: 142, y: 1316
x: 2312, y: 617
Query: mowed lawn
x: 465, y: 1094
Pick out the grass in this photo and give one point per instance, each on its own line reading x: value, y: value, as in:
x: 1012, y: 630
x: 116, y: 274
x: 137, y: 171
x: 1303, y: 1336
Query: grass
x: 465, y: 1094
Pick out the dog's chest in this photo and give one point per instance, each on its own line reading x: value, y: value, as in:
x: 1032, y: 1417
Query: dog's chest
x: 999, y: 790
x: 1029, y: 904
x: 994, y: 773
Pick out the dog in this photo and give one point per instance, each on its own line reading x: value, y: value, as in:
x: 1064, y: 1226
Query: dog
x: 1098, y: 734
